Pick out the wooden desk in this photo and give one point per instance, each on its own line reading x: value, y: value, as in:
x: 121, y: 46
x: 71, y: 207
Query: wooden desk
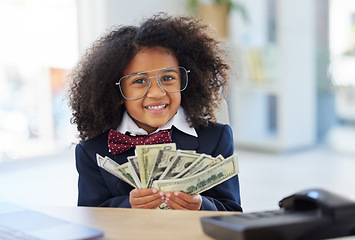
x: 119, y: 223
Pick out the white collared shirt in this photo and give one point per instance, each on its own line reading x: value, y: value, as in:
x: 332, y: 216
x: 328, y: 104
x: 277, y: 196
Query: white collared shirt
x: 178, y: 121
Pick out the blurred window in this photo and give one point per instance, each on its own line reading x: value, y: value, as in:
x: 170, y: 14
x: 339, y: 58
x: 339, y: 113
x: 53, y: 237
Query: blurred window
x: 38, y: 46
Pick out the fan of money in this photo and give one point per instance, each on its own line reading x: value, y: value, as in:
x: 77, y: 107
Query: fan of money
x: 167, y: 169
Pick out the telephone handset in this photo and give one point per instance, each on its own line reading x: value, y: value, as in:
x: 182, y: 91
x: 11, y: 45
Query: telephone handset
x: 308, y: 214
x: 337, y: 207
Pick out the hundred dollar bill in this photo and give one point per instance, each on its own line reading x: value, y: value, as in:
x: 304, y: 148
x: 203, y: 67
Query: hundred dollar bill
x: 163, y: 160
x: 201, y: 181
x: 111, y: 166
x: 163, y: 206
x: 124, y: 172
x: 146, y: 159
x: 179, y: 163
x: 201, y: 162
x: 134, y: 175
x: 203, y: 165
x: 99, y: 159
x: 134, y: 161
x: 108, y: 164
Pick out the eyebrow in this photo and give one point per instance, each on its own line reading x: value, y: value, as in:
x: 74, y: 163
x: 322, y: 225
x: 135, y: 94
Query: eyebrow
x: 167, y: 68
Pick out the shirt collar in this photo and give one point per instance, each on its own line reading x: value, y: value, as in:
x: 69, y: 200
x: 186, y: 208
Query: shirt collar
x: 178, y: 120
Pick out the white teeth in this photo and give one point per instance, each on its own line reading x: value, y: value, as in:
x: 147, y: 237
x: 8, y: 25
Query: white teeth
x: 155, y: 107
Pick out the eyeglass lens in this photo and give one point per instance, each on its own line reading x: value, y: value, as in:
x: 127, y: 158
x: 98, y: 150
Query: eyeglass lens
x: 135, y: 86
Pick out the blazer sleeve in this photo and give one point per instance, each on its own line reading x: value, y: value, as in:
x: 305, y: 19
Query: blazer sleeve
x: 225, y: 196
x: 93, y: 189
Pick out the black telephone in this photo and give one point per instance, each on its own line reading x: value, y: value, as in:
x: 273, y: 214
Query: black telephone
x: 309, y: 214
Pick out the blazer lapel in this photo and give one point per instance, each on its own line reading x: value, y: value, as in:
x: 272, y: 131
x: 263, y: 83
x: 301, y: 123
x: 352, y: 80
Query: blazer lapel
x: 122, y: 158
x: 183, y: 140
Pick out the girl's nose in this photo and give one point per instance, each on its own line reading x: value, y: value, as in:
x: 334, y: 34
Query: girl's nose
x: 155, y: 90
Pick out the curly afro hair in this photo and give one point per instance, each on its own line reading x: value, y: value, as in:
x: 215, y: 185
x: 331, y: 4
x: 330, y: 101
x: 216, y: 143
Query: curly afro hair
x: 96, y: 100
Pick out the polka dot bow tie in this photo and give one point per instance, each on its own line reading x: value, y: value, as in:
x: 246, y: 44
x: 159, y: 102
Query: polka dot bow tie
x: 118, y: 142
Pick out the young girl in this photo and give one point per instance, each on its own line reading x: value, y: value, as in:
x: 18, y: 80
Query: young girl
x: 166, y: 74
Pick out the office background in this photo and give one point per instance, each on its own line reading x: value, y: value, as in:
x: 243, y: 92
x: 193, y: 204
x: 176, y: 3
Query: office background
x: 291, y: 103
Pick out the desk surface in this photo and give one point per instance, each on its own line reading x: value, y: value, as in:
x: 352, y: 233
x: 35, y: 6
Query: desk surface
x: 119, y: 223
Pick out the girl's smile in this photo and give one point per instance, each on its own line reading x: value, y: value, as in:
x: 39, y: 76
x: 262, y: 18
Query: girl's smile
x: 156, y: 107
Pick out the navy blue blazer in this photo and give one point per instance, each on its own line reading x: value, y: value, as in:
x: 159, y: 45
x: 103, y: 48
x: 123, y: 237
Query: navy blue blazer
x: 97, y: 187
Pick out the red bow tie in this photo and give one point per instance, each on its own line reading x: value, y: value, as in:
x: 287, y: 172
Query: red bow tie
x: 118, y: 142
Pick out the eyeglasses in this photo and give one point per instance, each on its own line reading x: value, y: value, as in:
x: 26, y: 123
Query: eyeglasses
x: 135, y: 86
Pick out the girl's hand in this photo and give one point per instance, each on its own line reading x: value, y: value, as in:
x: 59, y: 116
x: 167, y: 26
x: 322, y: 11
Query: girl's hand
x: 148, y: 198
x: 183, y: 201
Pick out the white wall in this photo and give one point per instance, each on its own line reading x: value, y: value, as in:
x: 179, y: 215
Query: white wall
x: 292, y: 84
x: 96, y: 16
